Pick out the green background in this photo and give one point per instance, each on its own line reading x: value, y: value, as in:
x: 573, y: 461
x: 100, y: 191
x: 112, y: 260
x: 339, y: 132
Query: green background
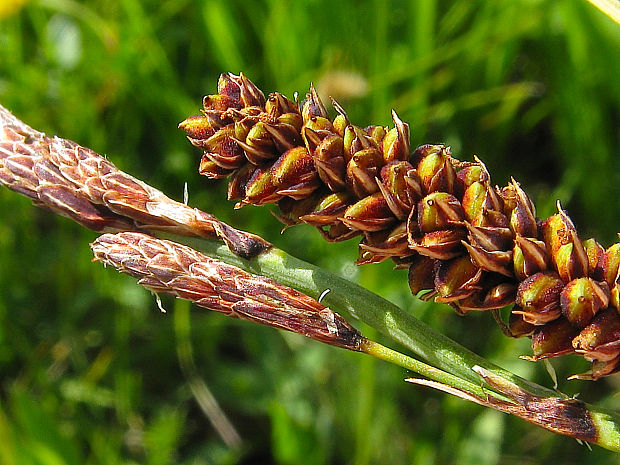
x: 92, y: 372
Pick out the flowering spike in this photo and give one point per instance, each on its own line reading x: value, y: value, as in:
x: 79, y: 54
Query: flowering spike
x: 467, y: 242
x: 171, y: 268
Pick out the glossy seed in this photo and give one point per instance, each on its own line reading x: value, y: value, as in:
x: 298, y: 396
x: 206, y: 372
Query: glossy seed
x: 552, y: 340
x: 529, y: 257
x: 582, y: 298
x: 539, y: 297
x: 369, y: 214
x: 437, y: 211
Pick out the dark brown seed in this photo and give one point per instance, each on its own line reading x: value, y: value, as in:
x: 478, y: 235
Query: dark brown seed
x: 529, y: 257
x: 441, y: 245
x: 421, y: 274
x: 552, y: 340
x: 369, y: 214
x: 437, y: 211
x: 330, y: 164
x: 456, y: 279
x: 600, y: 340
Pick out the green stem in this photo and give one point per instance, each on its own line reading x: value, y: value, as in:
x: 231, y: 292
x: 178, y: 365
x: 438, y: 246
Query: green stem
x: 358, y: 303
x: 389, y: 355
x: 454, y: 362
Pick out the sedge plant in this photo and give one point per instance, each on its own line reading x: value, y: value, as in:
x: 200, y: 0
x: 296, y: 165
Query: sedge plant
x: 242, y: 275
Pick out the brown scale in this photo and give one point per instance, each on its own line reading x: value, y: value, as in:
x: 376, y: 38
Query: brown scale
x: 466, y: 243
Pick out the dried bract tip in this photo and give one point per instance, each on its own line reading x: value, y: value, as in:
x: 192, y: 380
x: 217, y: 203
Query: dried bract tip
x: 313, y: 107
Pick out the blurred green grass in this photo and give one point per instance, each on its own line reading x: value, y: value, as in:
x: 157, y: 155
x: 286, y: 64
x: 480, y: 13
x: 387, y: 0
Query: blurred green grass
x: 88, y: 365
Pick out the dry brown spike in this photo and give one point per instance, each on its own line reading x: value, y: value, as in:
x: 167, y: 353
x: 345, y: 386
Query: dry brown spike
x: 466, y: 242
x: 78, y: 183
x: 178, y: 270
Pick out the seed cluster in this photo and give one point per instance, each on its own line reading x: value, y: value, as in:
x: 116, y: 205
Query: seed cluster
x: 466, y: 243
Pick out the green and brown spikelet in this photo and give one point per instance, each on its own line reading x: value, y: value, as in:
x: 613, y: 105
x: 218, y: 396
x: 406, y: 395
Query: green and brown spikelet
x: 466, y: 242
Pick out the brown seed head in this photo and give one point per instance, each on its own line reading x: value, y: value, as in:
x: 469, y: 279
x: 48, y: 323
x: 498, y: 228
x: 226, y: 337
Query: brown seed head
x: 171, y: 268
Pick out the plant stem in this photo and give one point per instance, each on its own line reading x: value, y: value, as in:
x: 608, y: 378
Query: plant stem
x: 358, y: 303
x: 389, y: 355
x: 508, y: 393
